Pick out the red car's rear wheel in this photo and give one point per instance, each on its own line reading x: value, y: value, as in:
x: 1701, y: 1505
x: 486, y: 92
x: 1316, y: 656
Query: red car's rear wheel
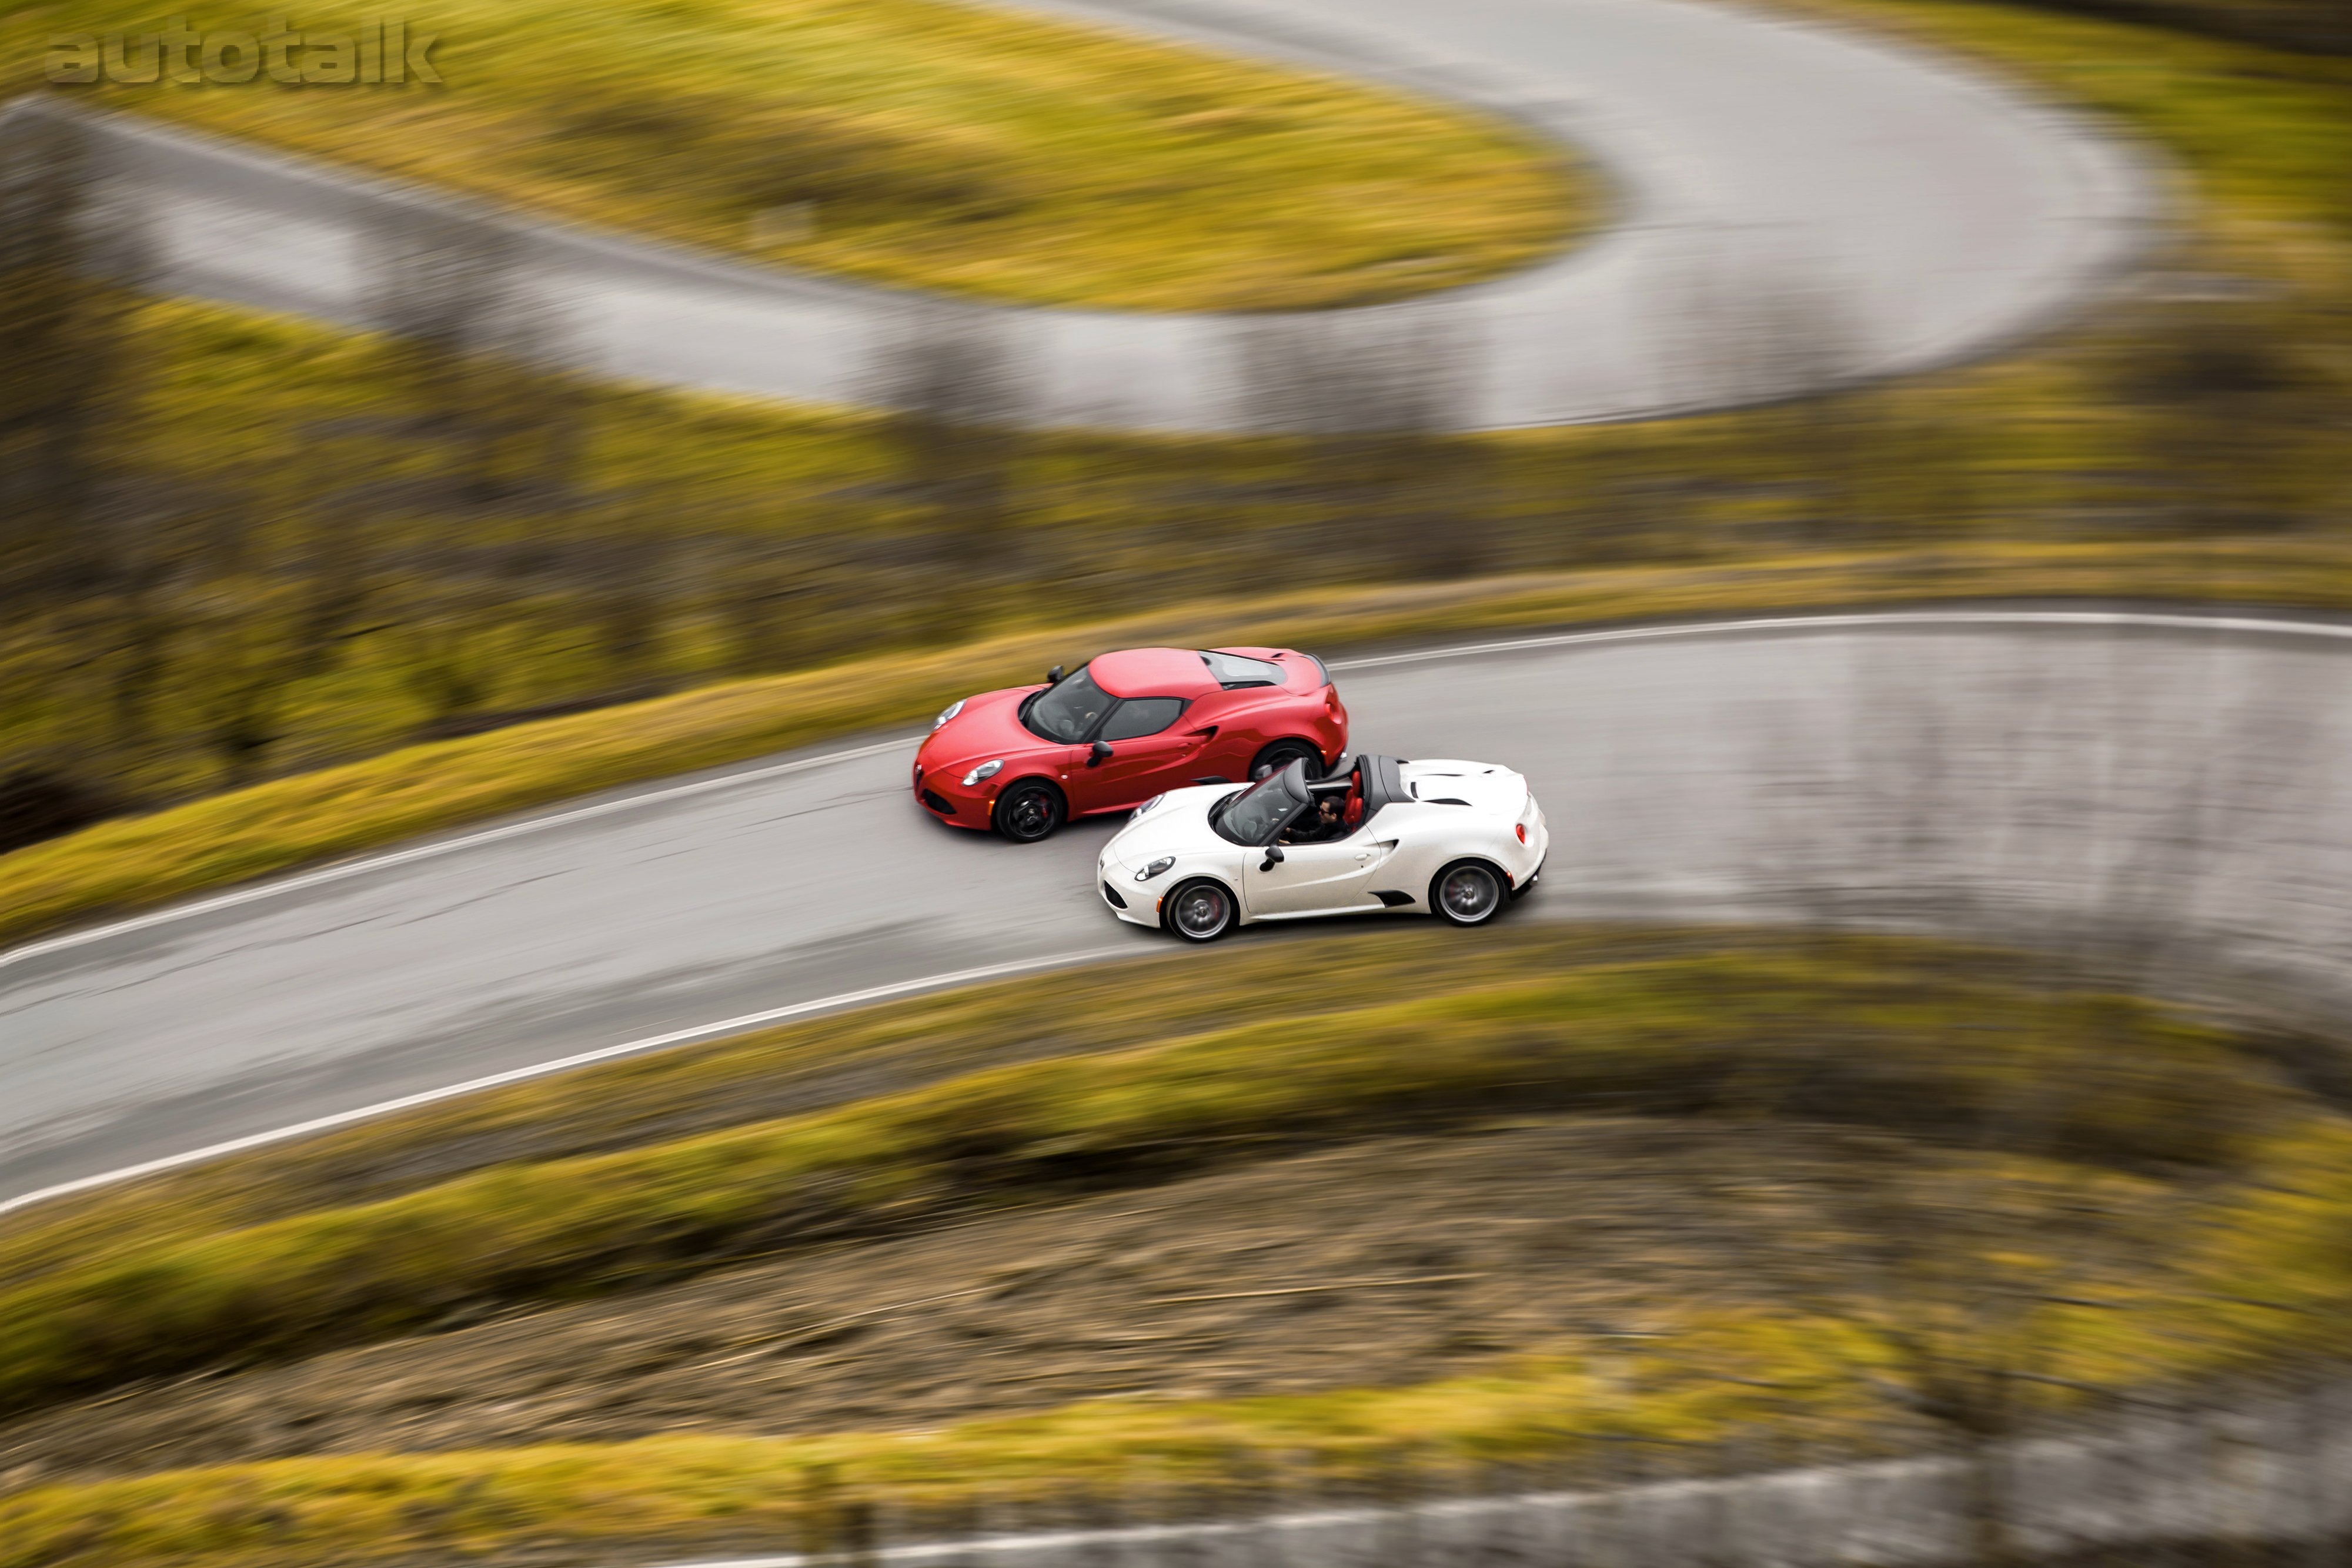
x: 1281, y: 754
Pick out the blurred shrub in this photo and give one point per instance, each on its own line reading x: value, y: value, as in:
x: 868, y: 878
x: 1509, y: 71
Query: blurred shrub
x: 2323, y: 25
x: 38, y: 803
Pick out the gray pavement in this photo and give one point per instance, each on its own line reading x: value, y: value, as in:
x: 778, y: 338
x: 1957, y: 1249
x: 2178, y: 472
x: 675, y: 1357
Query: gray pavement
x: 1794, y: 206
x: 2180, y: 780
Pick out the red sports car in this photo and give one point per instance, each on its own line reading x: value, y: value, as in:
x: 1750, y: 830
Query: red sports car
x: 1122, y: 728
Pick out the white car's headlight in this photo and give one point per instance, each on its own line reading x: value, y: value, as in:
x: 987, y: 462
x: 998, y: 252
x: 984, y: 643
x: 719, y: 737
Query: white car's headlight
x: 949, y: 712
x: 1155, y: 868
x: 985, y: 771
x: 1145, y: 807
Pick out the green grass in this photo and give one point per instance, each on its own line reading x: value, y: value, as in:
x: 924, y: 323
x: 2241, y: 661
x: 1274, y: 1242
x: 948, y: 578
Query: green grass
x: 922, y: 143
x: 1841, y: 1033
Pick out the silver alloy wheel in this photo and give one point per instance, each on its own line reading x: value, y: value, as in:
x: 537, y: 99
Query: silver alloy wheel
x: 1468, y: 894
x: 1200, y: 911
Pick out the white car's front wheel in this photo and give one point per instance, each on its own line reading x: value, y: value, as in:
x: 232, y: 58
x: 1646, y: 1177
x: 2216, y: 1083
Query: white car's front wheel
x: 1466, y: 892
x: 1200, y: 911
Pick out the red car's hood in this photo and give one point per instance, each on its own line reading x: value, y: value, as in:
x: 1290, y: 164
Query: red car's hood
x: 987, y: 728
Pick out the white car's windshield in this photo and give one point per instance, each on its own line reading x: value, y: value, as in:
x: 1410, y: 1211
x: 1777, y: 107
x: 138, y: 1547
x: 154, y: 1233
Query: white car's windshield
x: 1252, y: 816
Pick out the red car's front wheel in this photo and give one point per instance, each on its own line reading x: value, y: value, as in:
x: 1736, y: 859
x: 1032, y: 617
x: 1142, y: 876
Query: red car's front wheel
x: 1029, y: 811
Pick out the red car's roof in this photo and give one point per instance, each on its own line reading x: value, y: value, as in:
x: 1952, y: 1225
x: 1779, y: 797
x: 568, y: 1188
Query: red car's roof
x: 1152, y: 672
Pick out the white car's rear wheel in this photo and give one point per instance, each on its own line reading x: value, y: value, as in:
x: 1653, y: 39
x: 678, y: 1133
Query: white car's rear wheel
x: 1466, y: 892
x: 1200, y: 911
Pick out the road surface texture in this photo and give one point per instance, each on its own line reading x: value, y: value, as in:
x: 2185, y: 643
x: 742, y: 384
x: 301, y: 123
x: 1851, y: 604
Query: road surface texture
x: 1795, y: 206
x: 2162, y: 777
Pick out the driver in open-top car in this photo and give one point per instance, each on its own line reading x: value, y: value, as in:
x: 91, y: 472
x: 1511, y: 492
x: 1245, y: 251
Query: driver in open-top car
x: 1321, y: 825
x: 1339, y: 810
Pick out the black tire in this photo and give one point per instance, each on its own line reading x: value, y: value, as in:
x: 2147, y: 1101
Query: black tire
x: 1200, y: 910
x: 1028, y: 811
x: 1468, y: 893
x: 1280, y: 754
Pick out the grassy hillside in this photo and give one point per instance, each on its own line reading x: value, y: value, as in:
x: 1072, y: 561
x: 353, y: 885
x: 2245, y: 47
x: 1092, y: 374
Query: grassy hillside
x: 907, y: 142
x: 2003, y: 1157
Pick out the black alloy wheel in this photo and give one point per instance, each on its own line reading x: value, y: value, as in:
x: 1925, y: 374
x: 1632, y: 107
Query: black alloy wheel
x: 1029, y: 812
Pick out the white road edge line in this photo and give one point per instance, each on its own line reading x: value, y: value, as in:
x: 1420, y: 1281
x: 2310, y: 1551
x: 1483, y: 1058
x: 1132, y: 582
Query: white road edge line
x: 2170, y: 621
x: 541, y: 1069
x: 2243, y: 624
x: 338, y: 872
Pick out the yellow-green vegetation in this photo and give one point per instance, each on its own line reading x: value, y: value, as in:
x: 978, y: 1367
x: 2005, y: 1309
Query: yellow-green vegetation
x: 700, y: 1491
x: 139, y: 862
x: 707, y: 1491
x: 2061, y: 1097
x: 907, y: 142
x: 1914, y: 1046
x: 2264, y: 135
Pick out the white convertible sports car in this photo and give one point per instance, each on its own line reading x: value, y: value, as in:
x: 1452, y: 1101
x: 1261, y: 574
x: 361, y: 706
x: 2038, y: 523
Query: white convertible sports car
x: 1458, y: 840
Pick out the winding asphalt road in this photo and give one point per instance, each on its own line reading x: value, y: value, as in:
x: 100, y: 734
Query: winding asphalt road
x: 1927, y: 768
x: 2176, y: 777
x: 1795, y: 206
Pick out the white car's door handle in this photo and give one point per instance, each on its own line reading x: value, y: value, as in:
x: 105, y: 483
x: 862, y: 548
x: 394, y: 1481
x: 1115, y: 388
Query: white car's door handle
x: 1363, y: 855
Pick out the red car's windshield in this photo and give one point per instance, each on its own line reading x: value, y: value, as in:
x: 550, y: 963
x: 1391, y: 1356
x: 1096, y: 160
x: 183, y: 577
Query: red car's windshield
x: 1068, y: 710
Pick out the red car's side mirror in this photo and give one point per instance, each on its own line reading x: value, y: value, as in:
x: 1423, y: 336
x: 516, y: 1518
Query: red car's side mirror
x: 1098, y: 754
